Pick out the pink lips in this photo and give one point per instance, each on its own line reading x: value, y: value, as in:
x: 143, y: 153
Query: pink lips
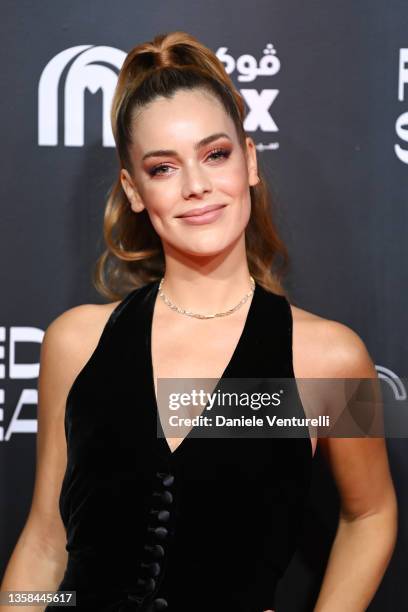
x: 206, y: 214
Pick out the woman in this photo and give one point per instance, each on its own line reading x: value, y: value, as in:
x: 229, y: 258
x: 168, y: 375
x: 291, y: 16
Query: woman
x: 187, y: 523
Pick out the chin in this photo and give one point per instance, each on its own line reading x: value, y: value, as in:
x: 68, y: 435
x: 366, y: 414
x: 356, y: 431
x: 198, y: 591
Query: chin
x: 203, y: 250
x: 206, y: 244
x: 194, y: 252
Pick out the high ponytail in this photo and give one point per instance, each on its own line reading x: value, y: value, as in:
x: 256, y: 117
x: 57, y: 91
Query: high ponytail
x: 134, y: 254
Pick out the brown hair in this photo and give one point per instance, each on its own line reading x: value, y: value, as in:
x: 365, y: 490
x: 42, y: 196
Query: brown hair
x: 134, y: 254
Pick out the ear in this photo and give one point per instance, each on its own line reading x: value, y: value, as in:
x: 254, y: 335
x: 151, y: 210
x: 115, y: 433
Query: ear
x: 252, y: 164
x: 136, y: 202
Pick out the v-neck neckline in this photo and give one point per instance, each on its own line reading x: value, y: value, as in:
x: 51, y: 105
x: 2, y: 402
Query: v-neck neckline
x: 229, y: 366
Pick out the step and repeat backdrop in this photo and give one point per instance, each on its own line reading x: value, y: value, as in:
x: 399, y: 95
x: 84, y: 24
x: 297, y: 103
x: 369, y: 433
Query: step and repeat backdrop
x: 326, y: 87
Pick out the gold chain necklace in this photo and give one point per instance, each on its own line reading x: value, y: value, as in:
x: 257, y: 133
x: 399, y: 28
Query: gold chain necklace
x: 205, y: 316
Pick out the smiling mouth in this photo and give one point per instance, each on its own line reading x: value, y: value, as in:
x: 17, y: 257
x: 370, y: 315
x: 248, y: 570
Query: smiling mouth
x: 198, y: 212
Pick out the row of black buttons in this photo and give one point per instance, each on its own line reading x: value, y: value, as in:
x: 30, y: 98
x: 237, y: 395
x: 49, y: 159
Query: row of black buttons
x: 158, y: 531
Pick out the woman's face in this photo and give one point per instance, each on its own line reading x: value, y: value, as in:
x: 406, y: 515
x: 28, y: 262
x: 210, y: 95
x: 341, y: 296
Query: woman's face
x: 181, y: 162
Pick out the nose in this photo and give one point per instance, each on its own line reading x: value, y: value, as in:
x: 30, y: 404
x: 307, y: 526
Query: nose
x: 196, y: 182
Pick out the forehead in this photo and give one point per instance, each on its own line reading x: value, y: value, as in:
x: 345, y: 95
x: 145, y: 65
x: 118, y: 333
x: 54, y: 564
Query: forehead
x: 186, y: 117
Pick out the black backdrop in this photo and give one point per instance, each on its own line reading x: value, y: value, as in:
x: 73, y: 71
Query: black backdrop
x: 329, y: 114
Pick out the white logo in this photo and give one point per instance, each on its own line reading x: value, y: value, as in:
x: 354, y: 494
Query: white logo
x: 84, y: 68
x: 19, y: 371
x: 259, y: 103
x: 84, y: 73
x: 394, y: 381
x: 247, y: 65
x: 401, y: 125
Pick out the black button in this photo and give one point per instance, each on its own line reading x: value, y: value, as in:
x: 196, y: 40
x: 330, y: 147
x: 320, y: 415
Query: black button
x: 168, y: 481
x: 162, y: 515
x: 160, y: 604
x: 159, y: 532
x: 165, y: 496
x: 156, y: 550
x: 152, y: 568
x: 166, y: 478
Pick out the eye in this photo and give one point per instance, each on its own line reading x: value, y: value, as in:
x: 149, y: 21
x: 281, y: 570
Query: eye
x: 214, y: 154
x: 224, y: 153
x: 156, y: 169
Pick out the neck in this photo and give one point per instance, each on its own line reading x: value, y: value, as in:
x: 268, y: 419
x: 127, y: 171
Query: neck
x: 207, y: 284
x: 207, y: 293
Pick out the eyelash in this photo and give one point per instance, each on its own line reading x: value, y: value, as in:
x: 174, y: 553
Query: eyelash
x: 219, y: 151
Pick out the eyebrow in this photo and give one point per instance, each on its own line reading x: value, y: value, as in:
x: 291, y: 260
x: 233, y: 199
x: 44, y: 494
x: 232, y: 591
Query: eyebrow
x: 197, y: 145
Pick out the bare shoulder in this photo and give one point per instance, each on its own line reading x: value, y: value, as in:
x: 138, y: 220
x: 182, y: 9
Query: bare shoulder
x: 75, y: 334
x: 325, y: 348
x: 86, y: 318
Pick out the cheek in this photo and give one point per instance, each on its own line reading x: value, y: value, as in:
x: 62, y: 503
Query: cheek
x: 159, y: 204
x: 156, y: 195
x: 234, y: 182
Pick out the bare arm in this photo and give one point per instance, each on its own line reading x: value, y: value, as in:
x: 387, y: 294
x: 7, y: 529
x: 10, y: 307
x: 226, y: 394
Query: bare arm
x: 367, y: 528
x: 39, y: 558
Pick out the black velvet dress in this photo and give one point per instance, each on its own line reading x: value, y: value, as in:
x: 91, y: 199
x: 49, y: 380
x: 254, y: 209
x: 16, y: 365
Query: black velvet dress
x: 209, y: 527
